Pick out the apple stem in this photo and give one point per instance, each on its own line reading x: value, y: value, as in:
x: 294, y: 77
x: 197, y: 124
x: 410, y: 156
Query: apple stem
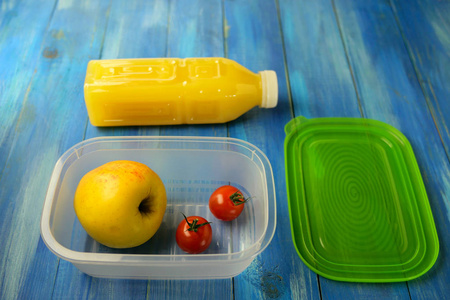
x: 194, y: 226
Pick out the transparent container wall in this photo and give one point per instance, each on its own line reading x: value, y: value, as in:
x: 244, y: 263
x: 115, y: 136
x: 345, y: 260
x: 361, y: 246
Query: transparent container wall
x: 191, y: 170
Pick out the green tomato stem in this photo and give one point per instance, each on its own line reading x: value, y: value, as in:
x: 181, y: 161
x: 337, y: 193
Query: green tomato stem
x: 194, y: 226
x: 237, y: 198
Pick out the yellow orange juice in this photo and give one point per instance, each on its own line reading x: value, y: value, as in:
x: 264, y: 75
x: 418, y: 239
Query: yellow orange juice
x: 163, y: 91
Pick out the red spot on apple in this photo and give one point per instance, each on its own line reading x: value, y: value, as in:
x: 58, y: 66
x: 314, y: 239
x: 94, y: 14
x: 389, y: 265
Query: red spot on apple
x: 138, y: 174
x: 114, y: 176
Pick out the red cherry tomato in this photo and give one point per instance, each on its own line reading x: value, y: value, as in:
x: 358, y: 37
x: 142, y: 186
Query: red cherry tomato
x: 194, y: 234
x: 226, y: 203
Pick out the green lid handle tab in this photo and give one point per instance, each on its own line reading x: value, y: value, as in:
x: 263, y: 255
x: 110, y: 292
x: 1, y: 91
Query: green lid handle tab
x: 293, y: 124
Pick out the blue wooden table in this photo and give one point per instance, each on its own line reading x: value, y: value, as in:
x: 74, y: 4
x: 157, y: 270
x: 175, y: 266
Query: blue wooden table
x: 385, y: 60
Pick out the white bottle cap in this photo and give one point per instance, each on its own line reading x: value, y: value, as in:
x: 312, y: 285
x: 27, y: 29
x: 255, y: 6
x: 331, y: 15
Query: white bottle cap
x: 269, y: 89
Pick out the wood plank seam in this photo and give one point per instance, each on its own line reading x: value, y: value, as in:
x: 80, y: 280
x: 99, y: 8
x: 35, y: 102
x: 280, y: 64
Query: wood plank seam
x: 225, y: 28
x: 108, y: 12
x: 347, y: 57
x: 286, y: 67
x: 24, y: 100
x: 84, y: 132
x: 54, y: 277
x: 420, y: 79
x: 225, y: 31
x: 167, y: 51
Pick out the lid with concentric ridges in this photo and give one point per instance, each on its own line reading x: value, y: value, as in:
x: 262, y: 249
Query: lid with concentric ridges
x: 358, y: 206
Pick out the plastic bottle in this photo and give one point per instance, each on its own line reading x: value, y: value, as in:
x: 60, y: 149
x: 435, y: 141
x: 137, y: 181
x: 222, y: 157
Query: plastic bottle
x: 167, y: 91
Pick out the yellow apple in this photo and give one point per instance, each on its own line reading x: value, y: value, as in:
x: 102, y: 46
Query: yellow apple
x: 121, y: 204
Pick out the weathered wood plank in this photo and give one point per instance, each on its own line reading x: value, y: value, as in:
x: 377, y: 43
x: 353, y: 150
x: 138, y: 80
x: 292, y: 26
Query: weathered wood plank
x: 390, y: 92
x: 322, y: 86
x: 426, y: 26
x: 386, y: 60
x: 195, y: 30
x: 186, y: 35
x: 136, y: 29
x: 21, y: 36
x: 51, y: 120
x: 320, y: 78
x: 128, y: 23
x: 254, y: 40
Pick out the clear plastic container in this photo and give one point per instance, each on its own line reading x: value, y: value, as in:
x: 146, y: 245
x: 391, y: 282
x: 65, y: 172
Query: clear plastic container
x: 191, y: 169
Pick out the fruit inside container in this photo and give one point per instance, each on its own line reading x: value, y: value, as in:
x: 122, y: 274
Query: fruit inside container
x: 191, y: 168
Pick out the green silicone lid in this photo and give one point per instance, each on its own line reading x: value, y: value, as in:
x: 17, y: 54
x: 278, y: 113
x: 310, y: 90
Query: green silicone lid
x: 358, y: 207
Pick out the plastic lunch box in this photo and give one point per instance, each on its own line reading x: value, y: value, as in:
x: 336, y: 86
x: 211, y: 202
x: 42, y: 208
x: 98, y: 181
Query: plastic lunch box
x: 191, y: 169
